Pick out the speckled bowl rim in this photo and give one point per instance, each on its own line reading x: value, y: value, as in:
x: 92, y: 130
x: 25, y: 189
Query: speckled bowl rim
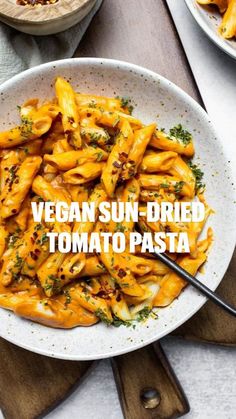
x: 177, y: 91
x: 222, y: 43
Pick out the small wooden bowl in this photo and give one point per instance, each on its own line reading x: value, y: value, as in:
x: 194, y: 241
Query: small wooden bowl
x: 44, y: 20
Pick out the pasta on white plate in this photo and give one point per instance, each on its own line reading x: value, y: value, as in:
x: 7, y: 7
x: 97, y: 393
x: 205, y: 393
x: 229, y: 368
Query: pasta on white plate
x: 227, y: 8
x: 89, y: 148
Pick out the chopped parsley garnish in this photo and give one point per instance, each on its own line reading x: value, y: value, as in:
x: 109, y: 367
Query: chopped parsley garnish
x: 99, y: 156
x: 18, y: 262
x: 12, y: 240
x: 94, y: 136
x: 38, y: 227
x: 68, y: 297
x: 181, y: 134
x: 52, y: 278
x: 102, y: 316
x: 198, y: 176
x: 94, y: 145
x: 132, y: 189
x: 120, y: 227
x: 43, y: 239
x: 143, y: 314
x: 164, y: 185
x: 92, y: 104
x: 118, y: 322
x: 178, y: 187
x: 100, y: 266
x: 117, y: 120
x: 12, y: 173
x: 39, y: 198
x: 52, y: 282
x: 48, y: 287
x: 26, y: 127
x: 126, y: 103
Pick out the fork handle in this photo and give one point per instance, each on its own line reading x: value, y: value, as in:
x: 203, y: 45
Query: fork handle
x: 196, y: 283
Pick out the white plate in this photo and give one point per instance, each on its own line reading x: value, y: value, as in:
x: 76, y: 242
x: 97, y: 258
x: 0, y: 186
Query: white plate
x: 154, y: 98
x: 209, y: 20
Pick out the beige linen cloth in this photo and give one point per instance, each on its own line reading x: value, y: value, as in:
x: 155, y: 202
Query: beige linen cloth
x: 19, y: 51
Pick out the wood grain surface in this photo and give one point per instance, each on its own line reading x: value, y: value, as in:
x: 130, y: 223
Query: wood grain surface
x: 145, y: 370
x: 144, y: 34
x: 31, y: 384
x: 211, y: 324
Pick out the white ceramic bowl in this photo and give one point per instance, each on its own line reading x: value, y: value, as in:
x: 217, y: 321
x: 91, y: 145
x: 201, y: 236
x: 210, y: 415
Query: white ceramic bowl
x: 152, y: 95
x: 209, y: 20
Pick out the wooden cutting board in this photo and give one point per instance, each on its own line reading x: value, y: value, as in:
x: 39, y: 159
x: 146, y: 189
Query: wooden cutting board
x: 211, y: 324
x: 30, y: 384
x: 147, y: 385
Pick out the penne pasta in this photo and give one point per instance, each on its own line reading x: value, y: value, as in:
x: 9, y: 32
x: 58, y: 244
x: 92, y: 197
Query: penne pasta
x: 164, y: 182
x: 18, y: 187
x: 141, y: 139
x: 85, y: 148
x: 71, y: 159
x: 47, y: 192
x: 227, y: 8
x: 221, y: 4
x: 228, y: 24
x: 120, y: 151
x: 32, y: 127
x: 172, y: 284
x: 84, y: 173
x: 181, y: 170
x: 70, y: 116
x: 157, y: 162
x: 161, y: 141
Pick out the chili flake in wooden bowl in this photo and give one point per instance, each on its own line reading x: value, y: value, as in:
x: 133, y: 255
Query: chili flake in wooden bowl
x: 35, y: 2
x: 34, y: 19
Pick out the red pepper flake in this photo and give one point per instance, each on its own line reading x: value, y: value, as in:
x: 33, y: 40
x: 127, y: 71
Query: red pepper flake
x: 33, y: 256
x: 121, y: 273
x: 123, y: 156
x: 117, y: 164
x: 35, y: 2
